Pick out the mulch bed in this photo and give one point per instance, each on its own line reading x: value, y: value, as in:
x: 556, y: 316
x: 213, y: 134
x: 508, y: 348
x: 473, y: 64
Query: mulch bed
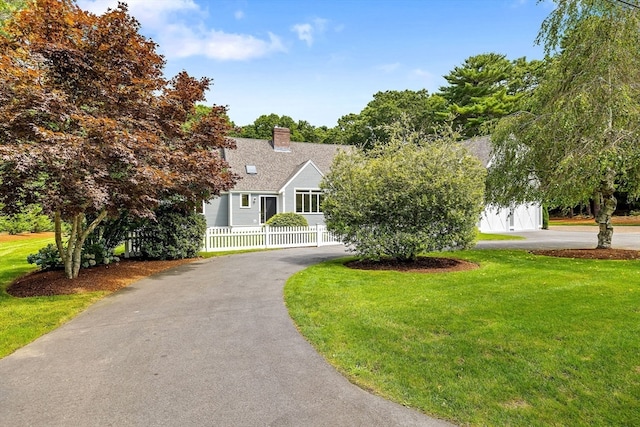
x: 420, y: 265
x: 614, y: 254
x: 101, y: 278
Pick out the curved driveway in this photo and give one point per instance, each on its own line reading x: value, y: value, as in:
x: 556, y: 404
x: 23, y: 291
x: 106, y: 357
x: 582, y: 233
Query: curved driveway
x: 206, y: 344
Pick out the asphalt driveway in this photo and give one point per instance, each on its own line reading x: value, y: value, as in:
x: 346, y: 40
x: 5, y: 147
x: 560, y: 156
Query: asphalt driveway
x: 206, y: 344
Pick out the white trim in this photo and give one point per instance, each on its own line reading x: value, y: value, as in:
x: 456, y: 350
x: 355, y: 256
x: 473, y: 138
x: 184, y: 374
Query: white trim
x: 311, y: 192
x: 303, y: 167
x: 230, y: 208
x: 248, y: 197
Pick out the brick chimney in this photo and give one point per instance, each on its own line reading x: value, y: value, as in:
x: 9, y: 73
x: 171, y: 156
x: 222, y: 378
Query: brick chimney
x: 281, y: 139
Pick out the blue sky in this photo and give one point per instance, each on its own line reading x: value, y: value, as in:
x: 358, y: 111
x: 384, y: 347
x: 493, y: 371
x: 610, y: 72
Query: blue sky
x: 319, y: 60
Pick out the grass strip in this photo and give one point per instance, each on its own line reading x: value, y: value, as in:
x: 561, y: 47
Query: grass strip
x: 495, y: 236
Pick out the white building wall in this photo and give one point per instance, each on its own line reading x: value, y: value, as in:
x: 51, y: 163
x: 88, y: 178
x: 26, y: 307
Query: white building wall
x: 526, y: 217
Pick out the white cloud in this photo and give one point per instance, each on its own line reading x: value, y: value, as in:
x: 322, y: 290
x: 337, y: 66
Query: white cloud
x: 239, y: 14
x: 177, y: 39
x: 308, y: 31
x: 305, y: 32
x: 388, y: 68
x: 183, y: 42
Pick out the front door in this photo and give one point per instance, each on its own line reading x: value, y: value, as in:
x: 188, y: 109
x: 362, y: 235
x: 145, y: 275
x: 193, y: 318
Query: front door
x: 268, y: 208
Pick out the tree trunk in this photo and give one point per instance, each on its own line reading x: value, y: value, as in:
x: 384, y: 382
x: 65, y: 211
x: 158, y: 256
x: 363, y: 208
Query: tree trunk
x: 608, y: 205
x: 72, y: 254
x: 596, y: 204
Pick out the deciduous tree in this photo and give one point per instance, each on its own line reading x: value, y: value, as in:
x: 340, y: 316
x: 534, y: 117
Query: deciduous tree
x: 88, y: 124
x: 421, y: 111
x: 580, y: 139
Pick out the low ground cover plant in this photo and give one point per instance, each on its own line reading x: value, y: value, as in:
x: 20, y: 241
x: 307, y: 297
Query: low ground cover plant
x: 522, y: 340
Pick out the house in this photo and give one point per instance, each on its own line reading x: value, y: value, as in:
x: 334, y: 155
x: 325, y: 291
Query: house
x: 276, y: 176
x: 284, y: 176
x: 524, y: 217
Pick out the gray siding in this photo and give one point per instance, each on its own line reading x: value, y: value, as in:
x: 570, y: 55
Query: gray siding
x: 217, y: 211
x: 307, y: 179
x: 247, y: 216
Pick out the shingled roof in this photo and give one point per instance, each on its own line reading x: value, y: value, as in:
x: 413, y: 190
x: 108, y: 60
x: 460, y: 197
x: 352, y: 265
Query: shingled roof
x: 480, y: 147
x: 275, y: 168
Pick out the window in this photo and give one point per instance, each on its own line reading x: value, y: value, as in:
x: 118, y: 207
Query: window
x: 308, y: 201
x: 245, y: 200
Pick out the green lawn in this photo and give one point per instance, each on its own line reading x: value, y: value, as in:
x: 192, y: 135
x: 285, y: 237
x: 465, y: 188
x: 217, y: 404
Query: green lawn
x: 493, y: 236
x: 24, y: 319
x: 523, y: 340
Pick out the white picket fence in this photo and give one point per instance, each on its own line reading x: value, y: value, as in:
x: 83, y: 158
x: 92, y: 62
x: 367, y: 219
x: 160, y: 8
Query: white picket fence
x: 237, y: 238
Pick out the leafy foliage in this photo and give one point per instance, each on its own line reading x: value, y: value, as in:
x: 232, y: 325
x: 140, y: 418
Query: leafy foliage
x: 287, y: 219
x: 112, y: 232
x: 174, y: 233
x: 97, y: 253
x: 30, y: 220
x: 422, y: 111
x: 89, y: 125
x: 93, y: 254
x: 47, y: 258
x: 579, y: 139
x: 405, y: 197
x: 301, y: 131
x: 8, y: 8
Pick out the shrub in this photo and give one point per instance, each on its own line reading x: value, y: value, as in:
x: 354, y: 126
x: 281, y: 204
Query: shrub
x: 14, y: 224
x: 110, y: 233
x: 30, y: 219
x: 174, y: 234
x: 46, y: 258
x: 404, y: 197
x: 97, y: 254
x: 287, y: 219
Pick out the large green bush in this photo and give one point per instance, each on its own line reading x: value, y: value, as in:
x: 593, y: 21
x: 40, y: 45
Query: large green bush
x: 404, y: 197
x: 175, y: 233
x: 287, y: 219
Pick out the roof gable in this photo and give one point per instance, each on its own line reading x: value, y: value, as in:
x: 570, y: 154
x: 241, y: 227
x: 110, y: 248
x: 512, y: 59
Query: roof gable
x: 275, y: 169
x: 294, y: 175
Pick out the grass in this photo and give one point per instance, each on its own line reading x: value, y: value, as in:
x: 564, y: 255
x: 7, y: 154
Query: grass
x: 523, y: 340
x: 492, y: 236
x: 24, y: 319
